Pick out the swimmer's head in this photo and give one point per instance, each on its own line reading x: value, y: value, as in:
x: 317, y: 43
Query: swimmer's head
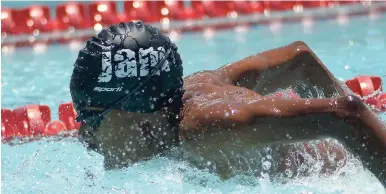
x: 129, y: 68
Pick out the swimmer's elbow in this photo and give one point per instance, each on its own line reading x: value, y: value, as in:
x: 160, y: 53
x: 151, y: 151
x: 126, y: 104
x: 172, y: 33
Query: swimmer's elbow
x: 300, y: 47
x: 299, y: 43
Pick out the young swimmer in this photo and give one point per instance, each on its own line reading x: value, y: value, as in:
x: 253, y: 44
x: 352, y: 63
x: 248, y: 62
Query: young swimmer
x: 128, y: 89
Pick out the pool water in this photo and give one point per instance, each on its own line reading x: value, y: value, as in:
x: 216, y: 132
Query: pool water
x: 351, y: 47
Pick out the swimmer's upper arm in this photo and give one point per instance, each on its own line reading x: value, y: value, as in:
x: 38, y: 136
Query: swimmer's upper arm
x: 296, y: 59
x: 225, y: 114
x: 278, y: 60
x: 268, y: 59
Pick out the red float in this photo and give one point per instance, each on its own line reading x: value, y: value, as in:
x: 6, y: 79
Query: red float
x: 381, y: 103
x: 324, y: 3
x: 72, y: 15
x: 248, y: 7
x: 67, y: 114
x: 137, y: 10
x: 8, y: 24
x: 8, y: 125
x: 280, y: 6
x: 31, y: 119
x: 189, y: 13
x: 54, y: 128
x: 368, y: 87
x: 213, y: 8
x: 173, y: 10
x: 179, y: 11
x: 34, y: 19
x: 103, y: 13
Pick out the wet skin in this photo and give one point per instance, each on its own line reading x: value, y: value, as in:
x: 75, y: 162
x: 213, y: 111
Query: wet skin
x: 227, y: 112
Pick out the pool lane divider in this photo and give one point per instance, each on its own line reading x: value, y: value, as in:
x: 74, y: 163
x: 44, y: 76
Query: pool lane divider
x: 34, y: 122
x: 167, y: 24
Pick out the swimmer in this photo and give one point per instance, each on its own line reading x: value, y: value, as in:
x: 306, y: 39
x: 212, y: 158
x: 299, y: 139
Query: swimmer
x: 133, y: 102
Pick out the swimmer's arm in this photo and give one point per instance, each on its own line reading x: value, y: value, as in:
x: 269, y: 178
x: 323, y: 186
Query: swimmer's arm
x: 368, y: 143
x: 285, y: 107
x: 230, y: 115
x: 294, y: 54
x: 366, y: 138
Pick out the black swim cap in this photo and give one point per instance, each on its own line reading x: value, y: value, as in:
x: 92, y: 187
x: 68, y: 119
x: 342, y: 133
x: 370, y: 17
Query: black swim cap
x: 130, y: 66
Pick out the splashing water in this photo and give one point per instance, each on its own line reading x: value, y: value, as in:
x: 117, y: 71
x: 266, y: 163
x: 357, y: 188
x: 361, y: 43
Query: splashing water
x: 66, y: 167
x: 76, y: 170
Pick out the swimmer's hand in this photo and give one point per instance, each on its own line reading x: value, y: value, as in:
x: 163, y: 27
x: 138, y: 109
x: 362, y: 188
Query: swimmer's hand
x: 349, y: 107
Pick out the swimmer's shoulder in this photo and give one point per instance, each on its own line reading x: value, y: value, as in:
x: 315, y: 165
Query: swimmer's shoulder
x: 207, y: 85
x: 214, y: 77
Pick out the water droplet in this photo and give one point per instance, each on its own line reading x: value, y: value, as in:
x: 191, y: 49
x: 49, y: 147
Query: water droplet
x: 226, y: 114
x: 346, y: 67
x: 308, y: 102
x: 288, y: 172
x: 288, y: 136
x: 266, y: 165
x: 276, y: 110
